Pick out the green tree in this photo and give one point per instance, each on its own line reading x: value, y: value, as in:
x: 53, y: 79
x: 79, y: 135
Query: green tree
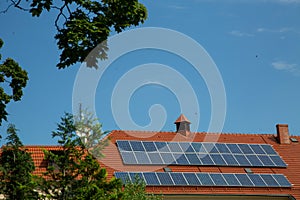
x: 83, y: 24
x: 74, y: 173
x: 16, y: 167
x: 12, y: 81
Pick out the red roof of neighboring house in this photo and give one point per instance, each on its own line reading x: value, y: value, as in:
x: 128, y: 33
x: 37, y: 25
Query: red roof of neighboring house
x: 290, y: 153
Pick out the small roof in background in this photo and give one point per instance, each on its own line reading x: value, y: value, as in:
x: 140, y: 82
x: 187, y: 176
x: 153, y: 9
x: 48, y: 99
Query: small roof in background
x: 182, y: 118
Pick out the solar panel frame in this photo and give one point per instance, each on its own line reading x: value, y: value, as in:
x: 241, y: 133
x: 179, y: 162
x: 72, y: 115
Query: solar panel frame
x: 268, y: 149
x: 234, y: 148
x: 230, y: 160
x: 165, y: 178
x: 174, y: 147
x: 282, y: 180
x: 205, y: 179
x: 278, y: 161
x: 244, y: 180
x: 231, y: 180
x: 254, y: 160
x: 265, y: 159
x: 242, y: 160
x: 257, y: 180
x: 210, y: 147
x: 162, y: 146
x: 180, y: 159
x: 137, y: 146
x: 142, y: 157
x: 186, y: 147
x: 155, y: 158
x: 198, y: 147
x: 257, y: 149
x: 269, y: 180
x: 218, y: 179
x: 206, y: 159
x: 167, y: 158
x: 222, y: 148
x: 128, y: 157
x: 245, y: 148
x: 193, y: 159
x: 218, y: 159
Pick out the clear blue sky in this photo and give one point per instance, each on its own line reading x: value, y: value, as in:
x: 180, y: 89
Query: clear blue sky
x: 254, y: 44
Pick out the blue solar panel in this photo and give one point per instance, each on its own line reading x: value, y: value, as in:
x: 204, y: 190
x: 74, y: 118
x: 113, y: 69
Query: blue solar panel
x: 142, y: 157
x: 253, y: 159
x: 198, y: 147
x: 186, y: 153
x: 210, y: 147
x: 162, y: 147
x: 242, y: 160
x: 218, y: 179
x: 181, y: 159
x: 205, y: 179
x: 155, y: 158
x: 222, y: 148
x: 244, y: 180
x: 174, y: 147
x: 257, y: 180
x: 257, y: 149
x: 269, y: 180
x: 278, y: 161
x: 124, y: 145
x: 266, y: 160
x: 234, y: 148
x: 230, y: 160
x: 128, y: 157
x: 124, y: 176
x: 135, y: 176
x: 218, y: 160
x: 281, y: 180
x: 231, y: 180
x: 151, y: 178
x: 149, y: 146
x: 137, y: 146
x: 193, y: 159
x: 206, y: 159
x: 191, y: 178
x: 186, y: 147
x: 165, y: 178
x: 178, y: 179
x: 245, y: 149
x: 268, y: 149
x: 167, y: 158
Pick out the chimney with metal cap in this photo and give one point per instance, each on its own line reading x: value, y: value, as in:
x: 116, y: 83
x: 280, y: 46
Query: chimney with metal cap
x: 283, y: 133
x: 183, y: 125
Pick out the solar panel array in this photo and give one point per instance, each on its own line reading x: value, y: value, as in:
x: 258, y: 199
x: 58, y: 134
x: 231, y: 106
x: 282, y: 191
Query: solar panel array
x: 205, y: 179
x: 197, y: 153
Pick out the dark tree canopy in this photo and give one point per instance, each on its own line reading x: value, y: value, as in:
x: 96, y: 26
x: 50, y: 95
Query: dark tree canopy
x: 83, y: 24
x: 13, y: 76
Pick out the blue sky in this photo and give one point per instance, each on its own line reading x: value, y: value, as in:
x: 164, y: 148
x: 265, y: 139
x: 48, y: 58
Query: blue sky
x: 254, y: 44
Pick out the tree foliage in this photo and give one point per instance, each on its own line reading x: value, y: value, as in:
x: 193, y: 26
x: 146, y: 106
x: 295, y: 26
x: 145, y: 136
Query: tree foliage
x: 16, y: 166
x: 83, y: 24
x: 75, y: 174
x: 14, y: 78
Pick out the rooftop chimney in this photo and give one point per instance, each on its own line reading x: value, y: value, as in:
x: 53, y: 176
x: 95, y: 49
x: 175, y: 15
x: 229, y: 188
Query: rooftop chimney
x: 283, y: 134
x: 182, y: 125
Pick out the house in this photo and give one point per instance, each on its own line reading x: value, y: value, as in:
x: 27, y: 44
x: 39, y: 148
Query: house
x: 189, y: 165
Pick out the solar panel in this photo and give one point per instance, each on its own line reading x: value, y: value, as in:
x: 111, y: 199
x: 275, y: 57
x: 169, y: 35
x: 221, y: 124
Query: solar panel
x: 165, y: 178
x: 149, y: 146
x: 193, y: 159
x: 257, y: 180
x: 178, y: 179
x: 206, y: 179
x: 128, y: 157
x: 124, y: 176
x: 142, y: 158
x: 186, y: 147
x: 155, y: 158
x: 281, y: 180
x: 231, y: 180
x: 268, y: 149
x: 244, y: 180
x: 174, y: 147
x: 124, y: 145
x: 192, y: 179
x: 137, y: 146
x: 245, y: 148
x: 269, y: 180
x: 218, y: 179
x: 151, y: 178
x: 136, y: 176
x: 196, y: 153
x: 218, y: 160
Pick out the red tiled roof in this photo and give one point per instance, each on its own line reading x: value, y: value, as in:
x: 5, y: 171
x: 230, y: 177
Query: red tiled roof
x: 289, y: 152
x: 113, y: 162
